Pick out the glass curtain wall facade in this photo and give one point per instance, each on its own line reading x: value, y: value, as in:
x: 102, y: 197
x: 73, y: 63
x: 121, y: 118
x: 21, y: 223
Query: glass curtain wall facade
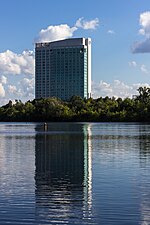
x: 63, y: 69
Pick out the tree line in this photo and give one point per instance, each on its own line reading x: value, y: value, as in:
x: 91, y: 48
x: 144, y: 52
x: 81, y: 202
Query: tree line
x: 136, y: 109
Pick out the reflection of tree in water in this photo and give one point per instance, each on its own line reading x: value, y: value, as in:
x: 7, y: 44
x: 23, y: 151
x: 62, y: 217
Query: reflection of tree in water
x: 144, y: 149
x: 60, y: 173
x: 144, y: 143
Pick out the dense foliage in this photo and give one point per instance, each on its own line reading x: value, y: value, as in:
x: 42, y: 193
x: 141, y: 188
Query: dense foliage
x: 78, y: 109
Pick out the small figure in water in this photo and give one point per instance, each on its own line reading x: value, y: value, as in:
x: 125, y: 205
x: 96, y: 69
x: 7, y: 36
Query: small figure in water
x: 45, y: 126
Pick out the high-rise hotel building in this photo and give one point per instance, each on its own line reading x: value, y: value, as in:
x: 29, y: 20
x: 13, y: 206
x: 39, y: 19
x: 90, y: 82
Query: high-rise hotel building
x: 63, y: 68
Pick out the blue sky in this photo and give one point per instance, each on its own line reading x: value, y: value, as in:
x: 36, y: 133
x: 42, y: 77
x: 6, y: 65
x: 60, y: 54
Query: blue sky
x: 120, y: 32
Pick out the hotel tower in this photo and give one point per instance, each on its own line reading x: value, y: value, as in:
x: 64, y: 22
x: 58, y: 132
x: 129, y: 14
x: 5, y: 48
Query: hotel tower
x: 63, y: 68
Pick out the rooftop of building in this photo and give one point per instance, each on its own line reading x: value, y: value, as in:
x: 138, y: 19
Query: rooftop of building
x: 64, y: 43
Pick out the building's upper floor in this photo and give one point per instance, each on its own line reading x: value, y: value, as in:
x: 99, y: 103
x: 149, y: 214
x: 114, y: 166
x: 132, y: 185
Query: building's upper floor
x: 72, y: 42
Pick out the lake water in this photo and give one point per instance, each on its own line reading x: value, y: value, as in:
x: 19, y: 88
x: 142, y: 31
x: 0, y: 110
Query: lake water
x: 75, y: 173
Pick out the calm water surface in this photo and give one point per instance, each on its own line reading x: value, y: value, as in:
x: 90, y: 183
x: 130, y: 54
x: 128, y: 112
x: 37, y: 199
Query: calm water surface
x: 75, y: 173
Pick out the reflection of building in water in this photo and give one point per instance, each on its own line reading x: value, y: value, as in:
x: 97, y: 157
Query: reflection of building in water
x: 88, y: 168
x: 63, y: 173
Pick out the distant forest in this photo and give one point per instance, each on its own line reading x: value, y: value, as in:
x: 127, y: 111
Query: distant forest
x: 77, y: 109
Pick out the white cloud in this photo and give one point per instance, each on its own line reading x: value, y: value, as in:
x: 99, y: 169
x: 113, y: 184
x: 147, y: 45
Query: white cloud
x: 15, y: 64
x: 144, y: 45
x: 145, y: 24
x: 2, y: 90
x: 54, y: 33
x: 64, y: 31
x: 86, y: 25
x: 111, y: 32
x: 27, y: 87
x: 28, y: 66
x: 144, y: 69
x: 133, y: 64
x: 116, y: 89
x: 24, y: 90
x: 3, y: 79
x: 12, y: 89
